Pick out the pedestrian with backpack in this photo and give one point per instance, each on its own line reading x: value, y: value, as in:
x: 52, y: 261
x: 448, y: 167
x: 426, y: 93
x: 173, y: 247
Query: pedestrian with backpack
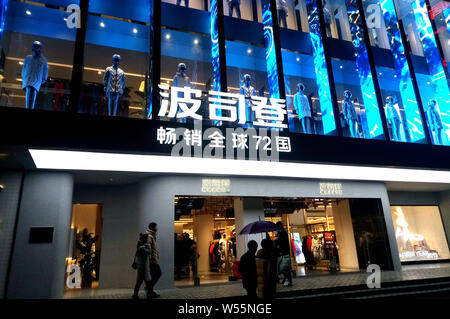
x: 142, y: 265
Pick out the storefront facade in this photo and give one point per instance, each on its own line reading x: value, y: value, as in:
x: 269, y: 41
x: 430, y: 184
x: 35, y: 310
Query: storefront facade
x: 307, y: 99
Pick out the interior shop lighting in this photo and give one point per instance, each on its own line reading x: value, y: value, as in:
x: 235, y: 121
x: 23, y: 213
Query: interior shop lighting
x: 28, y: 12
x: 135, y: 31
x: 93, y: 161
x: 102, y: 24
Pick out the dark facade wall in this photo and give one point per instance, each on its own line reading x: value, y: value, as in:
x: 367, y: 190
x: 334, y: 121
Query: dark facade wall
x: 38, y: 270
x: 9, y: 203
x: 413, y: 198
x: 120, y: 232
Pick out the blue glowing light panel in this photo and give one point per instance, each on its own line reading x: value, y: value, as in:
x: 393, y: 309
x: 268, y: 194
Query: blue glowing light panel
x: 437, y: 76
x: 375, y: 127
x: 271, y: 59
x: 215, y: 52
x: 403, y: 74
x: 3, y: 10
x: 320, y: 66
x: 152, y: 37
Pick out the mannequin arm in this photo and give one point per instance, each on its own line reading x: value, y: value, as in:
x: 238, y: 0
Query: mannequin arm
x: 106, y: 78
x: 45, y: 72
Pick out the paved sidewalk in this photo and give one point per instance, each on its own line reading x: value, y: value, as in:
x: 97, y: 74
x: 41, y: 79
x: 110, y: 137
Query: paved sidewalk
x: 300, y: 283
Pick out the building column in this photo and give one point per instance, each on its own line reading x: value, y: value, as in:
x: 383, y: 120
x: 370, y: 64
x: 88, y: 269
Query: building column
x: 246, y: 211
x: 38, y: 270
x: 203, y: 234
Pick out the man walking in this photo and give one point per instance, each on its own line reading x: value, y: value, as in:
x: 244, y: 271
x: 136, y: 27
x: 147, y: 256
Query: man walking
x: 247, y: 268
x: 155, y: 270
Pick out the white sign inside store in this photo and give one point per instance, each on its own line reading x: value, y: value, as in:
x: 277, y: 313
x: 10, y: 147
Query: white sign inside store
x: 331, y: 189
x: 216, y: 185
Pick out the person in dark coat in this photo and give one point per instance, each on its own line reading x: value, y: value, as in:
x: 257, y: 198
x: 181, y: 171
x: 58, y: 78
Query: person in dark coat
x: 283, y: 252
x: 266, y: 267
x: 142, y: 261
x: 247, y: 268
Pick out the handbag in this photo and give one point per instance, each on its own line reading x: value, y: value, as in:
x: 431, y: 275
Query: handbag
x: 134, y: 264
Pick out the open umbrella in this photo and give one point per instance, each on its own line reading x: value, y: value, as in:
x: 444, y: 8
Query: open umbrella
x: 260, y: 226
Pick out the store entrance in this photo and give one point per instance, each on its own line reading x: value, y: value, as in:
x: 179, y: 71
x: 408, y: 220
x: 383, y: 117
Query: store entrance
x: 326, y: 235
x: 205, y: 240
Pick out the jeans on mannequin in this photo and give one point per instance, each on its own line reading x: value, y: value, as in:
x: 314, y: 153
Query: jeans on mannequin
x: 113, y: 101
x: 234, y: 5
x: 282, y: 15
x: 31, y: 95
x: 186, y: 3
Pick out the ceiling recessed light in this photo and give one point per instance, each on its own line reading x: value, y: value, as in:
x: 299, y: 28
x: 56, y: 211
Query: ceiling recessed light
x: 249, y: 51
x: 195, y: 41
x: 21, y: 63
x: 298, y: 59
x: 102, y: 24
x: 167, y: 36
x: 135, y: 30
x: 341, y: 67
x: 28, y: 12
x: 99, y: 72
x: 380, y: 73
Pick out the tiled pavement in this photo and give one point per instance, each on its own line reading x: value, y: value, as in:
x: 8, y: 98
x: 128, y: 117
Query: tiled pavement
x: 300, y: 283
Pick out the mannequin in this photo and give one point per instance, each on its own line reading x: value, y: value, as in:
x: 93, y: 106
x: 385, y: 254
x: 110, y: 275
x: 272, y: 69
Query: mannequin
x: 181, y: 80
x: 282, y: 10
x: 393, y: 118
x: 302, y: 108
x: 248, y: 91
x: 350, y: 116
x: 114, y: 83
x: 186, y: 3
x: 34, y: 74
x: 435, y: 121
x: 327, y: 16
x: 234, y: 5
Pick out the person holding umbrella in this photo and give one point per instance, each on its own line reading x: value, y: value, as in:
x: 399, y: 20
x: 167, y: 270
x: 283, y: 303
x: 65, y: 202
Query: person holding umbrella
x: 283, y: 251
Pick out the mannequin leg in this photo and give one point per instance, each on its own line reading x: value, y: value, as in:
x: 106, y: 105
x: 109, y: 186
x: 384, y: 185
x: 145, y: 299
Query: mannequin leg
x: 116, y: 103
x: 31, y: 95
x: 186, y: 3
x: 352, y: 125
x: 110, y: 103
x: 439, y: 136
x: 397, y: 130
x: 306, y: 125
x: 238, y: 10
x: 230, y: 9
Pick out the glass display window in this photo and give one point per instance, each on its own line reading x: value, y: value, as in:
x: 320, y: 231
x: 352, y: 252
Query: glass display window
x: 308, y: 95
x: 360, y: 112
x: 441, y: 14
x: 247, y: 74
x: 288, y: 15
x: 116, y: 61
x: 430, y: 71
x: 186, y: 62
x: 420, y: 233
x: 241, y: 9
x: 402, y: 112
x: 37, y: 49
x: 194, y: 4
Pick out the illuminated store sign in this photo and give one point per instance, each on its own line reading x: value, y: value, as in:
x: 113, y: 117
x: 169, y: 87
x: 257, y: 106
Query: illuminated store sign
x: 186, y: 102
x: 320, y: 66
x: 375, y: 128
x: 438, y: 109
x: 406, y: 89
x: 331, y: 189
x: 216, y: 185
